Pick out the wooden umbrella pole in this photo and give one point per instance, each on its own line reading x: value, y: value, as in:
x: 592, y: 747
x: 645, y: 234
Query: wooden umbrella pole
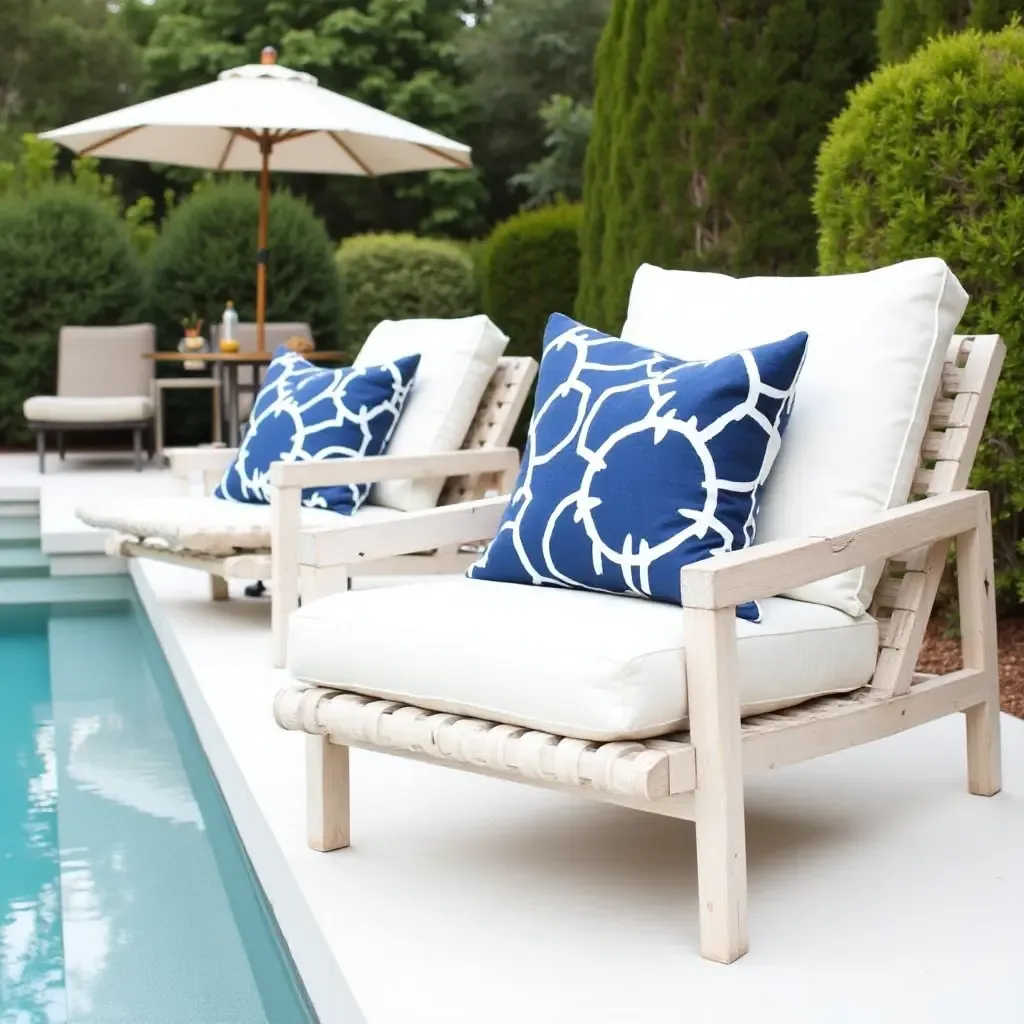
x: 263, y: 253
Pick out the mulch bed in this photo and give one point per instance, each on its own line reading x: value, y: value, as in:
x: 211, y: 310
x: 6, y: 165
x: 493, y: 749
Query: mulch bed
x: 940, y: 653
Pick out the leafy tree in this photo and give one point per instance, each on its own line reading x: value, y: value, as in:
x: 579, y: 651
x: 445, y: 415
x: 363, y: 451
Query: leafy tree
x: 928, y: 159
x: 903, y: 25
x: 707, y: 119
x: 559, y: 174
x: 397, y: 55
x: 63, y: 60
x: 520, y: 56
x: 35, y: 167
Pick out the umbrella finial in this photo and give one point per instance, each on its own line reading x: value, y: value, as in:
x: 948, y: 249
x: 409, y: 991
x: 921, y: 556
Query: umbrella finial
x: 268, y: 55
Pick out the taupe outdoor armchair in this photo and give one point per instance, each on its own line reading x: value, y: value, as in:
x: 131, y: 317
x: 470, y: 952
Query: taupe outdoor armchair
x: 103, y: 383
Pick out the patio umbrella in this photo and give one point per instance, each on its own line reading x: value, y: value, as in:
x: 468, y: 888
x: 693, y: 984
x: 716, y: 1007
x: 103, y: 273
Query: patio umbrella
x: 263, y: 117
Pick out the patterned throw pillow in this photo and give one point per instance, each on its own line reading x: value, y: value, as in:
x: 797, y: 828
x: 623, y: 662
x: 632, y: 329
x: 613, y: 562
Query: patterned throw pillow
x: 304, y: 413
x: 638, y: 464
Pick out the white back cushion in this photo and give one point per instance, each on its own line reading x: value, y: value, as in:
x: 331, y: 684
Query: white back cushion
x: 457, y: 360
x: 874, y: 360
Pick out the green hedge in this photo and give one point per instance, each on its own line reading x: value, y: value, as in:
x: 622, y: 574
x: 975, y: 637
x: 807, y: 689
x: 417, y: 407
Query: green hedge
x: 397, y: 277
x: 206, y: 254
x: 66, y: 257
x: 707, y: 118
x: 531, y: 270
x: 904, y: 25
x: 927, y: 161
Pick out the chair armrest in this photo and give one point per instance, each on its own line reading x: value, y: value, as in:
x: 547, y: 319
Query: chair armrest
x: 448, y: 526
x: 372, y: 469
x: 199, y: 460
x: 768, y: 569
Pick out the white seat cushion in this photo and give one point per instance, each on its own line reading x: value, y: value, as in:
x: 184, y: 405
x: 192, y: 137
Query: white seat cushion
x: 56, y: 409
x: 594, y: 666
x: 208, y: 526
x: 876, y: 345
x: 458, y: 357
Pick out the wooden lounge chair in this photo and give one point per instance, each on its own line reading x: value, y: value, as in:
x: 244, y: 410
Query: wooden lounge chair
x: 103, y: 383
x: 230, y: 540
x: 695, y: 773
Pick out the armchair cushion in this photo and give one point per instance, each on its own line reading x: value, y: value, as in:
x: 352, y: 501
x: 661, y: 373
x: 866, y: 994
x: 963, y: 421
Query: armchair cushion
x: 207, y: 525
x: 458, y: 357
x: 304, y: 413
x: 638, y: 464
x: 71, y: 410
x: 874, y: 362
x: 567, y: 662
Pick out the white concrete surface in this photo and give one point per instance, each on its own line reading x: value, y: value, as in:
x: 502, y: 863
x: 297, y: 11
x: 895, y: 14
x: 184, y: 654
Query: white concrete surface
x: 81, y: 477
x: 879, y: 889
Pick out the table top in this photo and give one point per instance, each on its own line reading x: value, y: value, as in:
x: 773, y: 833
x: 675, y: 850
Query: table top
x: 242, y: 358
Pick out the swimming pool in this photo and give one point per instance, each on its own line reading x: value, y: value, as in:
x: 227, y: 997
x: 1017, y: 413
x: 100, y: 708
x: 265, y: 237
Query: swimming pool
x: 126, y: 896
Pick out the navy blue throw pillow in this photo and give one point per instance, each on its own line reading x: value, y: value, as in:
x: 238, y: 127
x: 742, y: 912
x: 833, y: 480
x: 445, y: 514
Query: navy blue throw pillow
x: 305, y: 413
x: 638, y: 464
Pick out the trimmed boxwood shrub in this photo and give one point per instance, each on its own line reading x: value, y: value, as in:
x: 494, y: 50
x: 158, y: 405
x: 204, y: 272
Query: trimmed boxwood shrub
x: 927, y: 161
x: 531, y: 270
x: 206, y: 254
x: 708, y: 115
x: 904, y: 25
x: 399, y: 276
x: 66, y: 257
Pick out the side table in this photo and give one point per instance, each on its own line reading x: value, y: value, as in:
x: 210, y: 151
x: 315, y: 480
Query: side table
x: 160, y: 384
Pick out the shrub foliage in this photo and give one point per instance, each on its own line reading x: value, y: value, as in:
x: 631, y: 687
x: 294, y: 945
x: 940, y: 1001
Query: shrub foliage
x: 396, y: 277
x: 531, y: 270
x: 707, y: 118
x: 206, y: 254
x: 928, y: 159
x: 66, y: 257
x: 904, y: 25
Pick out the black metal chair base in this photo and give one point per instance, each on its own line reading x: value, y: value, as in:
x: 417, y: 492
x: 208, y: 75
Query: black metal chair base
x: 142, y: 431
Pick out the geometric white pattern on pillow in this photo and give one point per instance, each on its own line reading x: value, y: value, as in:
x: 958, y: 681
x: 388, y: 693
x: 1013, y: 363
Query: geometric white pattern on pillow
x: 305, y: 413
x: 638, y: 464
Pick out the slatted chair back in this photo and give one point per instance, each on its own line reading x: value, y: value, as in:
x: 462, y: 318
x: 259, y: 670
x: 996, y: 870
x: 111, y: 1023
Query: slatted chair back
x: 906, y: 593
x: 492, y: 426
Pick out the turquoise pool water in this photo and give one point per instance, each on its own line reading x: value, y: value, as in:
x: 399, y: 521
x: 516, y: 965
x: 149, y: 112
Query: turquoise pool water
x: 125, y: 894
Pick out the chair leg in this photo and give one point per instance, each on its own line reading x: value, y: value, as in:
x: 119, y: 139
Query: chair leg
x: 285, y: 524
x: 41, y: 449
x: 137, y: 448
x: 60, y: 445
x: 711, y: 675
x: 219, y: 588
x: 984, y: 760
x: 327, y: 794
x: 979, y: 640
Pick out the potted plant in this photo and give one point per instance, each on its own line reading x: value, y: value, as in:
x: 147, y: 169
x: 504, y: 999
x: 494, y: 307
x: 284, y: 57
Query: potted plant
x: 193, y: 341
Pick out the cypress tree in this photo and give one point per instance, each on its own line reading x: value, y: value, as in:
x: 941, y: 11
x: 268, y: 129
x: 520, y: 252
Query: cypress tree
x: 707, y: 118
x: 904, y: 25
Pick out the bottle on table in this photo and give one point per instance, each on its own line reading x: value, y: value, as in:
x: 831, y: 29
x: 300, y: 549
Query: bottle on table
x: 229, y: 328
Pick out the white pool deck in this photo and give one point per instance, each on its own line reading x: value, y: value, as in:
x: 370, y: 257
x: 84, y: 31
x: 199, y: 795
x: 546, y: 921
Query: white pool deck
x: 879, y: 889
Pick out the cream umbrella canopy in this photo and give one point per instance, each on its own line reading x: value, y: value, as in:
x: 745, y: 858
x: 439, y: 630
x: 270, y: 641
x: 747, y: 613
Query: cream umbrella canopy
x: 263, y: 117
